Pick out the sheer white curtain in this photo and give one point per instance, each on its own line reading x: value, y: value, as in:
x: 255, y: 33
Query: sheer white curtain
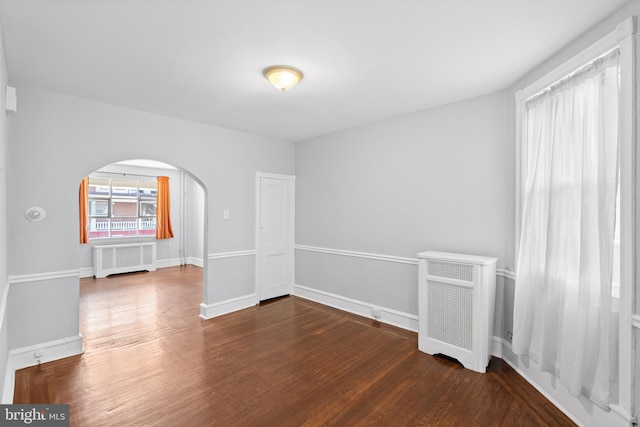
x: 570, y: 174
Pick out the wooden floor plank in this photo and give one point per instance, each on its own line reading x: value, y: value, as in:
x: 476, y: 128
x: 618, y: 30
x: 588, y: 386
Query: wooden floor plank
x: 150, y: 360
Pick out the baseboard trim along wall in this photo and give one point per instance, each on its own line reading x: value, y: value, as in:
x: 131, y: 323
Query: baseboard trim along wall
x: 386, y: 315
x: 165, y: 263
x: 161, y: 263
x: 552, y: 389
x: 34, y: 355
x: 195, y: 261
x: 46, y: 352
x: 85, y: 272
x: 497, y: 344
x: 209, y: 311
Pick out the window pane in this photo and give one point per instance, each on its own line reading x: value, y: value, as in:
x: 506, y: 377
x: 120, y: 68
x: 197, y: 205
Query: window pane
x: 98, y: 207
x: 98, y: 228
x: 98, y: 187
x: 147, y: 226
x: 124, y: 208
x: 148, y: 189
x: 124, y: 187
x: 124, y: 227
x: 147, y: 208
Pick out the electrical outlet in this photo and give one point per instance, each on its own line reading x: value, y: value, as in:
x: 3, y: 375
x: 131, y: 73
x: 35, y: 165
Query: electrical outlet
x: 375, y: 312
x: 509, y: 335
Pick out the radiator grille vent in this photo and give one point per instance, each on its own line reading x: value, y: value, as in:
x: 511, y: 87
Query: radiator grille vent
x: 107, y: 259
x: 450, y: 313
x: 128, y: 257
x: 450, y: 270
x: 114, y: 259
x: 148, y: 256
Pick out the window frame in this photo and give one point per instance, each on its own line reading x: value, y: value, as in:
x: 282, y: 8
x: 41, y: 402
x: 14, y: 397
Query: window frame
x: 112, y: 198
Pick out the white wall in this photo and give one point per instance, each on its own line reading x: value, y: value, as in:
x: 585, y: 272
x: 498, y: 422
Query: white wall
x: 4, y: 142
x: 56, y: 140
x: 195, y: 220
x: 433, y: 180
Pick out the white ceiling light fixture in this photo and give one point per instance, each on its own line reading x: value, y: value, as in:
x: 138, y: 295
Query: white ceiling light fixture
x: 283, y: 77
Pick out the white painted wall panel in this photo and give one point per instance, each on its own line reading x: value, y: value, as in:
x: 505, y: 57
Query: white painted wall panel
x: 382, y: 283
x: 433, y: 180
x: 41, y: 311
x: 195, y: 220
x: 231, y: 277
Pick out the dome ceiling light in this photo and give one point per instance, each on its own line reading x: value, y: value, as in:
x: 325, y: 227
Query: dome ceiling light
x: 283, y: 77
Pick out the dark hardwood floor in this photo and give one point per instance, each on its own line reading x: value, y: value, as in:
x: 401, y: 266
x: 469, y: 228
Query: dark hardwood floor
x: 150, y: 360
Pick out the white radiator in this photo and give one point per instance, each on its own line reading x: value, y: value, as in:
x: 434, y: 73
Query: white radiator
x: 126, y: 258
x: 456, y: 303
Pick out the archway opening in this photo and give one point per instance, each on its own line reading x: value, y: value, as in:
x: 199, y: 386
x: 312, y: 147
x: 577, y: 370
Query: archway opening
x: 122, y: 212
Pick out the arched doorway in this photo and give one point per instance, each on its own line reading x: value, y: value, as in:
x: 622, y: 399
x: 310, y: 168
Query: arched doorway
x: 126, y: 215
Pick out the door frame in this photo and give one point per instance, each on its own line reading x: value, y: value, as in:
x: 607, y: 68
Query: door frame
x: 292, y: 223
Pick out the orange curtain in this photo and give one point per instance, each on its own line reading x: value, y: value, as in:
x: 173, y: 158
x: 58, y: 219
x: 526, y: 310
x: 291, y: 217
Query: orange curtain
x: 84, y: 214
x: 163, y: 209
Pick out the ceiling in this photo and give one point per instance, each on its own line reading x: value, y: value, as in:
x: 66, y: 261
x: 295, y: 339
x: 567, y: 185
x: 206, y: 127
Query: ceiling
x: 363, y: 60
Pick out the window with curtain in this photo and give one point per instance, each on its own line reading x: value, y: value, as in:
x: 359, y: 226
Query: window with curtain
x: 120, y: 207
x: 569, y: 188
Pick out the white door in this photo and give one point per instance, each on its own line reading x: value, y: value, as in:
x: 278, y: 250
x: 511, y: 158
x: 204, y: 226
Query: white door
x: 274, y: 235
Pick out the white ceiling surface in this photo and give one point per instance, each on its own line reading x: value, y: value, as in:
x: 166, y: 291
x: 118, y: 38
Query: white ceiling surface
x: 363, y: 60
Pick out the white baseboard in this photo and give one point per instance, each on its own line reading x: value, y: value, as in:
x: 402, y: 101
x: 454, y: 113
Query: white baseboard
x: 33, y: 355
x: 161, y: 263
x: 387, y: 315
x: 195, y: 261
x: 209, y: 311
x: 85, y: 272
x: 164, y: 263
x: 46, y: 352
x: 497, y: 344
x: 579, y: 409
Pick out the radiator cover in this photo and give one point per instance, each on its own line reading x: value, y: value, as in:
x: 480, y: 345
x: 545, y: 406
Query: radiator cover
x: 456, y: 302
x: 125, y: 258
